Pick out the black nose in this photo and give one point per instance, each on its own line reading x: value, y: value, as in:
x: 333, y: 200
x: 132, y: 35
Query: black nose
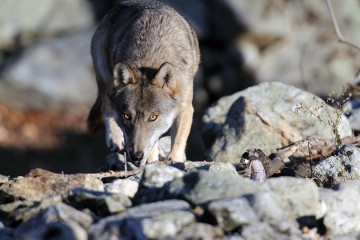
x: 137, y: 155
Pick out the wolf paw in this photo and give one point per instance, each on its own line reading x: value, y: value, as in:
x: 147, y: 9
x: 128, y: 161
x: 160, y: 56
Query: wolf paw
x: 115, y: 139
x: 177, y: 157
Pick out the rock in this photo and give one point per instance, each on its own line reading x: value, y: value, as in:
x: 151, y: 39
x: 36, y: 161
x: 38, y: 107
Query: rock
x: 23, y: 22
x: 201, y: 231
x: 48, y: 218
x: 54, y: 230
x: 157, y: 176
x: 202, y: 187
x: 295, y: 55
x: 21, y: 211
x: 100, y: 203
x: 268, y: 207
x: 263, y: 230
x: 342, y: 222
x: 231, y: 214
x: 6, y: 233
x: 263, y: 117
x: 225, y: 168
x: 298, y: 197
x: 152, y: 182
x: 63, y: 61
x: 3, y: 179
x: 341, y: 212
x: 129, y: 187
x: 149, y: 221
x: 39, y: 184
x: 342, y: 166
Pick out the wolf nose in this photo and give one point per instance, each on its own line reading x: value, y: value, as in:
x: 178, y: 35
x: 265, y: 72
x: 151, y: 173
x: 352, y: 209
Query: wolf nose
x: 138, y: 155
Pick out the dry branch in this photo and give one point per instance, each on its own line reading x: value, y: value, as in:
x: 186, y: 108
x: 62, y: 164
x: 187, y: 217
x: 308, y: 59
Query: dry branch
x: 337, y: 29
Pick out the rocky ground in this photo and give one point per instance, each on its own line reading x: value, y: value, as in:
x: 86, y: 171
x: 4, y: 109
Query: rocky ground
x: 282, y: 190
x: 279, y: 163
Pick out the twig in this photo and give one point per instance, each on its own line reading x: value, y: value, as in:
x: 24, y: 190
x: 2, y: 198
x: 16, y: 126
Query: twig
x: 127, y: 173
x: 337, y: 29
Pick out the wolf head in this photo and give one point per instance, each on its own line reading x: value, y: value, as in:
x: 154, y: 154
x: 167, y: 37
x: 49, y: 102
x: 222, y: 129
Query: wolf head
x: 145, y: 106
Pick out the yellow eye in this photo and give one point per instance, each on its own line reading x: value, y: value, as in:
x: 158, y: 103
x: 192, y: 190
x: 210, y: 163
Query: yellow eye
x: 126, y: 116
x: 152, y: 118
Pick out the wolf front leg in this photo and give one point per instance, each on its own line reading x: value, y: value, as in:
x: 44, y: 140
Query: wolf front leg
x: 180, y: 133
x: 114, y: 136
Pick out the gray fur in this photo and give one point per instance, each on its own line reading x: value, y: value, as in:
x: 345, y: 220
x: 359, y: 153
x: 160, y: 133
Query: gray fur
x: 145, y: 56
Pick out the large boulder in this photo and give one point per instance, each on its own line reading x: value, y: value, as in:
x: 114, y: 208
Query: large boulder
x: 294, y: 42
x: 55, y: 71
x: 263, y: 117
x: 23, y: 21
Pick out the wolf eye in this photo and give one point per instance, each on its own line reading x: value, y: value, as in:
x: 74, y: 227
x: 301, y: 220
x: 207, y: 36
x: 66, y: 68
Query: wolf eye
x: 126, y: 116
x: 152, y: 118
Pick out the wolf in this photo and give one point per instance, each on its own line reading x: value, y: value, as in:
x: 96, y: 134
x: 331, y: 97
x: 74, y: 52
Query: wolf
x: 145, y: 56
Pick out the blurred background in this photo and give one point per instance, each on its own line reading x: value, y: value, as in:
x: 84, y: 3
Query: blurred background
x: 47, y: 83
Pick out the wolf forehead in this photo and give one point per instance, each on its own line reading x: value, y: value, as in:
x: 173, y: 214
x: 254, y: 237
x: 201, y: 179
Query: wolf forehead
x: 143, y: 98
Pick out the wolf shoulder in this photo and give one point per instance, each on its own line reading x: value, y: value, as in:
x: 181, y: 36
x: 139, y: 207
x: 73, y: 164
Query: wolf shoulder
x: 147, y: 33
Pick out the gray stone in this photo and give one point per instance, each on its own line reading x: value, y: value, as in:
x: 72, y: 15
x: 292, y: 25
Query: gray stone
x: 100, y: 203
x: 341, y: 211
x: 295, y: 55
x: 224, y: 168
x: 153, y: 180
x: 6, y: 233
x: 23, y: 22
x: 263, y: 117
x: 39, y: 184
x: 354, y: 119
x: 52, y: 215
x: 158, y: 175
x: 54, y: 230
x: 268, y: 207
x: 298, y: 197
x: 342, y: 222
x: 263, y: 230
x: 149, y: 221
x: 201, y: 231
x: 127, y: 186
x: 63, y: 61
x: 3, y: 179
x: 21, y: 211
x: 9, y: 211
x: 231, y: 214
x: 202, y: 187
x: 344, y: 165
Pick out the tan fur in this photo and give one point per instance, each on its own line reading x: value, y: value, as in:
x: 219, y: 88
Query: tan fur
x: 145, y: 56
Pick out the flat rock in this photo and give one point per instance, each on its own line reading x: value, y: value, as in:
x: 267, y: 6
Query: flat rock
x: 147, y: 221
x: 54, y: 230
x: 341, y: 208
x: 39, y: 184
x: 100, y: 203
x: 51, y: 215
x: 344, y: 165
x: 25, y: 22
x: 263, y: 117
x: 127, y: 186
x: 231, y: 214
x: 202, y: 187
x: 298, y: 197
x: 201, y: 231
x: 63, y: 61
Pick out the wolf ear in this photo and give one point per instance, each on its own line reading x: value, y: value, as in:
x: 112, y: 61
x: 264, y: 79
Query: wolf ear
x: 122, y: 75
x: 165, y: 78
